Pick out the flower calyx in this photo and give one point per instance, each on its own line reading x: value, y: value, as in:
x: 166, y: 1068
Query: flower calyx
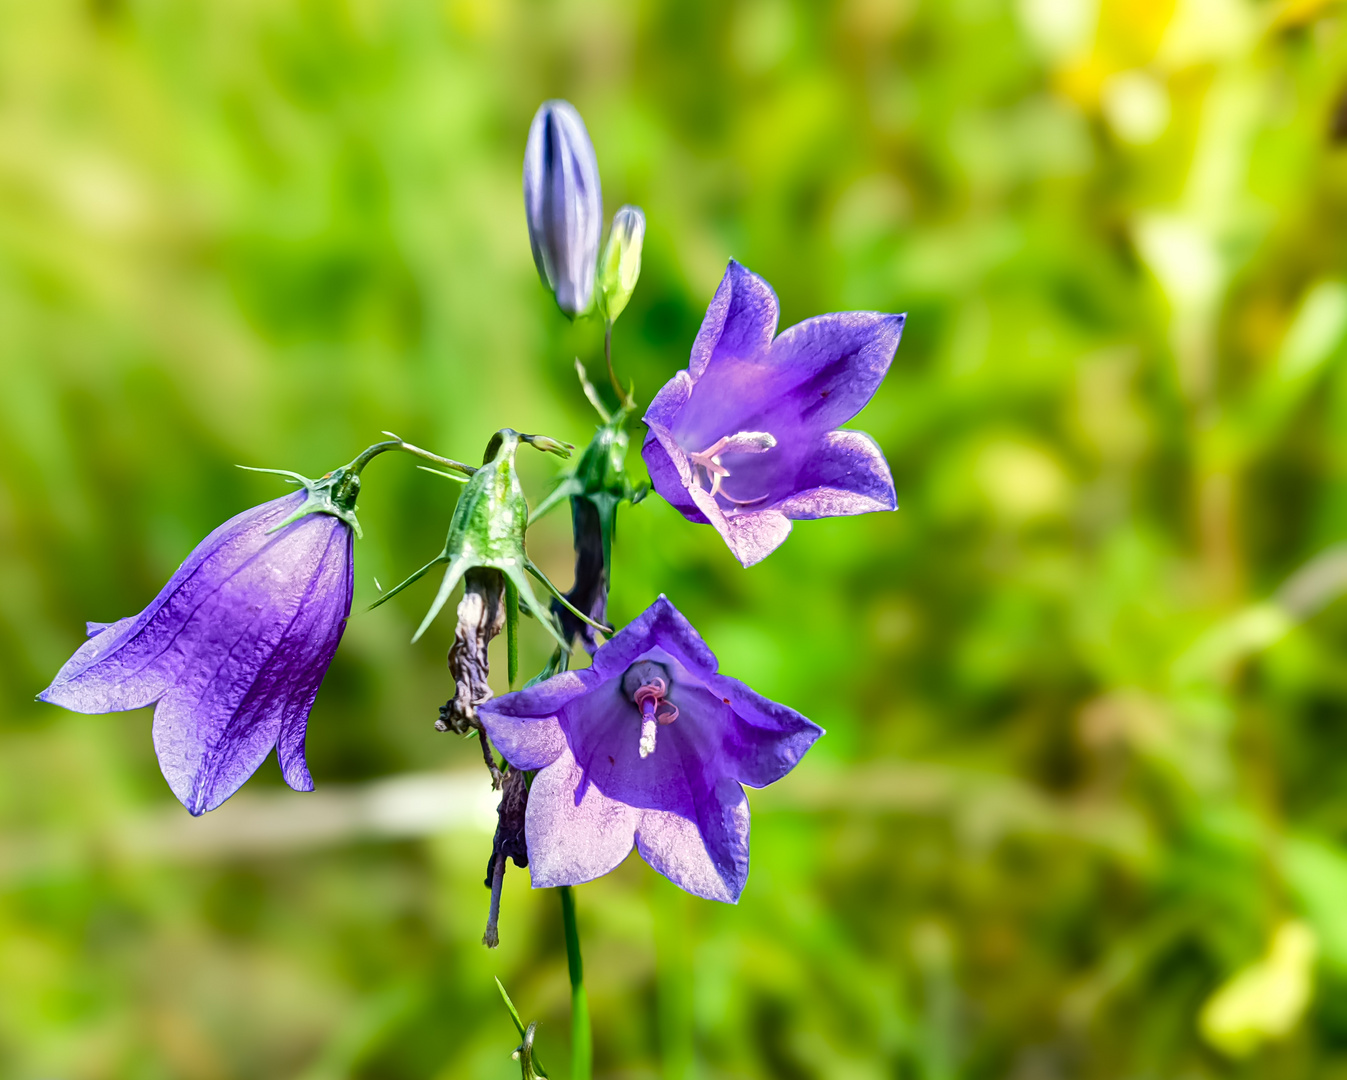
x: 487, y: 530
x: 596, y: 486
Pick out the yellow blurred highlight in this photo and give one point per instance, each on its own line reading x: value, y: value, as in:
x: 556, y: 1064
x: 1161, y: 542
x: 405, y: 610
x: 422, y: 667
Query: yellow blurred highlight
x: 1266, y: 1000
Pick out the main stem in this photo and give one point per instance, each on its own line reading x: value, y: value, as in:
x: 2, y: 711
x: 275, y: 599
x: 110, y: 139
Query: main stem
x: 582, y: 1039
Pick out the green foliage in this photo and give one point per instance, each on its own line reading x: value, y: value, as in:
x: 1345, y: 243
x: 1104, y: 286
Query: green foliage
x: 1085, y: 691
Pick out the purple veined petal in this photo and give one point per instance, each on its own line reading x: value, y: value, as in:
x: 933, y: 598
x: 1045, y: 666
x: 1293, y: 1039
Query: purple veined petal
x: 833, y: 364
x: 319, y: 630
x: 575, y: 833
x: 667, y: 780
x: 259, y: 655
x: 684, y: 778
x: 750, y: 535
x: 676, y: 847
x: 663, y: 626
x: 670, y: 473
x: 846, y: 475
x: 739, y: 323
x: 816, y: 375
x: 524, y: 725
x: 134, y: 661
x: 766, y: 739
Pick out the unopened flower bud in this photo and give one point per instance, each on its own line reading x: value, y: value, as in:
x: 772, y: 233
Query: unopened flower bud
x: 564, y: 204
x: 620, y: 266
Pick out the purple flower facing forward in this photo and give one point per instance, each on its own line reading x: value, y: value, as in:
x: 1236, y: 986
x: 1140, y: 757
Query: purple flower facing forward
x: 746, y: 439
x: 649, y: 746
x: 232, y: 649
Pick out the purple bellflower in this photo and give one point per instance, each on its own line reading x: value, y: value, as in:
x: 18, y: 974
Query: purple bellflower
x: 233, y: 648
x: 563, y: 204
x: 649, y: 746
x: 746, y: 438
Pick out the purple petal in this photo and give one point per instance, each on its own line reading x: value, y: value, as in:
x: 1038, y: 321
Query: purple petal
x: 524, y: 725
x: 675, y: 846
x: 846, y: 475
x: 135, y: 661
x: 660, y: 625
x: 739, y: 322
x: 765, y: 739
x: 754, y: 535
x: 259, y: 653
x: 575, y: 832
x: 685, y: 777
x: 670, y: 473
x: 817, y: 375
x: 832, y: 365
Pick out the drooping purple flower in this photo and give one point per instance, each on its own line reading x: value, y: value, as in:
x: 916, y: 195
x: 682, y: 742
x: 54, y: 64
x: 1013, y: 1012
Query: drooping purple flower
x: 232, y: 649
x: 649, y: 746
x: 563, y: 203
x: 747, y: 439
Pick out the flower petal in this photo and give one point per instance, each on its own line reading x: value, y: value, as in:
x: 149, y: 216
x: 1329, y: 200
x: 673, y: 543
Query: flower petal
x: 134, y: 661
x: 258, y: 657
x: 765, y: 739
x: 316, y: 634
x: 684, y: 778
x: 525, y: 725
x: 739, y: 322
x: 831, y: 365
x: 846, y: 475
x: 661, y: 625
x: 676, y: 847
x: 754, y: 535
x: 575, y: 832
x: 670, y: 472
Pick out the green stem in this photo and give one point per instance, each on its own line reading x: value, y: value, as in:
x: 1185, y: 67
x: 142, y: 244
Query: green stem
x: 511, y: 630
x: 582, y: 1039
x: 398, y: 443
x: 608, y: 356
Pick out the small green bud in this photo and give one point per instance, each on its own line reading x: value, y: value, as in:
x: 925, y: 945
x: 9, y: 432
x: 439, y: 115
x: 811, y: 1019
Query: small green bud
x: 620, y: 264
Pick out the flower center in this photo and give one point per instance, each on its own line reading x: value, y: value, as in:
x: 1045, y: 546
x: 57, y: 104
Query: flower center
x: 709, y: 470
x: 647, y: 685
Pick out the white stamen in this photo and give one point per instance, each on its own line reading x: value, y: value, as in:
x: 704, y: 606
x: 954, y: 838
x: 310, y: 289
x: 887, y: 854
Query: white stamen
x: 741, y: 442
x: 648, y: 730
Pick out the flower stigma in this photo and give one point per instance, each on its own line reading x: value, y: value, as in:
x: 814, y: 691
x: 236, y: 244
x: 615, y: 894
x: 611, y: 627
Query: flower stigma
x: 647, y: 684
x: 741, y: 442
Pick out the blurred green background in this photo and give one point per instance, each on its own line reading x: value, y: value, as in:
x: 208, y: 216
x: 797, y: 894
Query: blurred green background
x: 1082, y: 807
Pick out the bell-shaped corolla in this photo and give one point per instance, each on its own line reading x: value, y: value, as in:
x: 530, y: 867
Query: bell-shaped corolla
x: 232, y: 650
x: 649, y: 746
x: 747, y: 438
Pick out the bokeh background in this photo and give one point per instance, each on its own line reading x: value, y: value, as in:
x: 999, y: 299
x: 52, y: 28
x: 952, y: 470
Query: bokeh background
x: 1082, y: 806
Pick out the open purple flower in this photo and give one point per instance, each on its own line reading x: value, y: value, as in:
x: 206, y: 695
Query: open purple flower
x: 233, y: 647
x: 649, y: 746
x: 746, y: 438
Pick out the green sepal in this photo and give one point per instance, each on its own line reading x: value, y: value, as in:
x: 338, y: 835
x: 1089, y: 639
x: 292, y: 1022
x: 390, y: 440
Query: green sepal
x: 333, y: 493
x: 529, y: 1065
x: 487, y: 529
x: 600, y: 476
